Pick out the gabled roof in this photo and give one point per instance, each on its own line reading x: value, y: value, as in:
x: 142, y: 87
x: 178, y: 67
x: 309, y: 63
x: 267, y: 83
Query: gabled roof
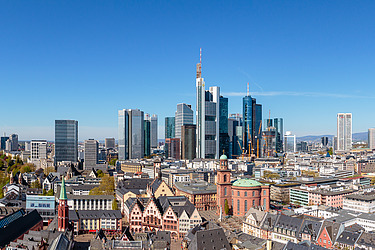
x: 256, y: 213
x: 332, y: 229
x: 135, y: 183
x: 311, y: 227
x: 348, y: 238
x: 367, y: 239
x: 268, y: 221
x: 209, y: 239
x: 155, y: 185
x: 289, y: 223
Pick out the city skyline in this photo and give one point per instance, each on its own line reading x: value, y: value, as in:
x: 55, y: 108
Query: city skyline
x: 304, y: 71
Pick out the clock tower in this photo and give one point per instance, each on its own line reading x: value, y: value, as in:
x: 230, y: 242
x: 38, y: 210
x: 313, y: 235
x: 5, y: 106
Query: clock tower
x: 224, y: 186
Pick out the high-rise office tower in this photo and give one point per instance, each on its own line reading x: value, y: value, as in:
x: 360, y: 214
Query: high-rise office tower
x: 131, y: 134
x: 224, y: 140
x: 110, y: 143
x: 188, y: 142
x: 344, y: 131
x: 183, y: 116
x: 200, y: 112
x: 91, y: 154
x: 66, y: 140
x: 207, y: 118
x: 3, y: 141
x: 371, y: 138
x: 235, y: 135
x: 38, y: 150
x: 154, y: 131
x: 169, y: 127
x: 147, y: 129
x: 12, y: 143
x: 279, y: 127
x: 172, y: 146
x: 324, y: 141
x: 290, y: 142
x: 252, y: 119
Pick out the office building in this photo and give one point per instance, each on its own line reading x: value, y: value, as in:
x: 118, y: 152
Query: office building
x: 235, y: 135
x: 110, y: 143
x: 169, y: 127
x: 66, y: 140
x: 131, y: 134
x: 344, y: 131
x: 147, y: 129
x: 91, y: 153
x: 371, y: 138
x: 188, y: 142
x: 183, y: 116
x: 172, y: 148
x: 252, y: 122
x: 324, y: 141
x: 269, y: 136
x: 3, y: 141
x: 290, y: 142
x: 38, y: 150
x: 278, y: 123
x: 12, y: 143
x: 207, y: 114
x: 224, y: 140
x: 154, y: 131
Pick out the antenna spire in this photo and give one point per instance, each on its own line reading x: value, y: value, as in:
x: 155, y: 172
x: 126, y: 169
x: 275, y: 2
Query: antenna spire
x: 200, y: 55
x: 248, y: 89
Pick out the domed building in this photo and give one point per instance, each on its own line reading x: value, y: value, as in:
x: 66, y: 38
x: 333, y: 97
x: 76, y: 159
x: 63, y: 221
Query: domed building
x: 240, y: 195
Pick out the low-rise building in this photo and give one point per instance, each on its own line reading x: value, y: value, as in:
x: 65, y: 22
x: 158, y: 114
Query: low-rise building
x: 85, y: 221
x: 201, y: 193
x: 280, y: 192
x: 90, y: 202
x: 360, y: 202
x: 45, y: 205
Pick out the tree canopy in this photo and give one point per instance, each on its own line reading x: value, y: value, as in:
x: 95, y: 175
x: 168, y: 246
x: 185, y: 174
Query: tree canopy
x: 106, y: 187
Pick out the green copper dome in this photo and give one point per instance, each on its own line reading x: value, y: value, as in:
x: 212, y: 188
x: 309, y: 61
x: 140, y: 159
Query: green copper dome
x: 246, y: 183
x: 223, y: 157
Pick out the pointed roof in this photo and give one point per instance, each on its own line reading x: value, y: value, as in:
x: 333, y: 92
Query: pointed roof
x: 63, y: 190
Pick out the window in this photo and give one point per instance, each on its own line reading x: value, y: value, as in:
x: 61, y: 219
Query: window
x: 238, y: 205
x: 245, y: 193
x: 225, y: 178
x: 253, y: 193
x: 253, y: 203
x: 264, y: 192
x: 225, y: 191
x: 238, y: 193
x: 245, y: 206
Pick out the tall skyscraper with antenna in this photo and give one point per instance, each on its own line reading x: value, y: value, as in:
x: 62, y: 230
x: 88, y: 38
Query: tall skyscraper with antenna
x: 208, y: 118
x: 200, y: 110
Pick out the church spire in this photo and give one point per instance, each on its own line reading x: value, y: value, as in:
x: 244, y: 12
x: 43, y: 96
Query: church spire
x: 63, y: 190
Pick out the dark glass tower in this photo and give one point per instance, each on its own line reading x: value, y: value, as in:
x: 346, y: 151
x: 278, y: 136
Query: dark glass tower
x: 66, y: 140
x: 224, y: 140
x: 169, y: 127
x: 147, y: 137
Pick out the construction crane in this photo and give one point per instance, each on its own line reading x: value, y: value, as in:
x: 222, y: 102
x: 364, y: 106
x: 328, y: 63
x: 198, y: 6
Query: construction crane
x: 242, y: 148
x: 260, y: 127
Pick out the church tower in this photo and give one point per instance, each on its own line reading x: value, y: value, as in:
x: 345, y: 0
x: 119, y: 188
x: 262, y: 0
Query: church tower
x: 63, y: 209
x: 224, y: 186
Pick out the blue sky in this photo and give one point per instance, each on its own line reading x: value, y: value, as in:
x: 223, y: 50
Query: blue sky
x: 305, y: 61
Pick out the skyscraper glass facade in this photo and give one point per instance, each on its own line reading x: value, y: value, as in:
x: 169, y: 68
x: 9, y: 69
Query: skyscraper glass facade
x: 66, y: 140
x: 183, y: 116
x: 169, y: 127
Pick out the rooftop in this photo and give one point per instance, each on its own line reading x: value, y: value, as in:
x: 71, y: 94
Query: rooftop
x: 246, y: 183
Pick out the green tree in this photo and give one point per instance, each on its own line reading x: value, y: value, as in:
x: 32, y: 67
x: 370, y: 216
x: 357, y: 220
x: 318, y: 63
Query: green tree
x: 330, y: 151
x: 114, y: 204
x: 106, y: 187
x: 44, y: 192
x: 36, y: 184
x: 100, y: 173
x: 226, y: 207
x: 48, y: 170
x: 50, y: 192
x: 27, y: 168
x: 113, y: 162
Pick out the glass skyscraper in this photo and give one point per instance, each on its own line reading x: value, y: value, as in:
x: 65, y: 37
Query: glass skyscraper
x: 279, y: 126
x: 252, y: 119
x: 147, y: 137
x: 131, y: 134
x: 66, y: 140
x: 223, y: 126
x: 183, y: 116
x: 169, y: 127
x: 154, y: 131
